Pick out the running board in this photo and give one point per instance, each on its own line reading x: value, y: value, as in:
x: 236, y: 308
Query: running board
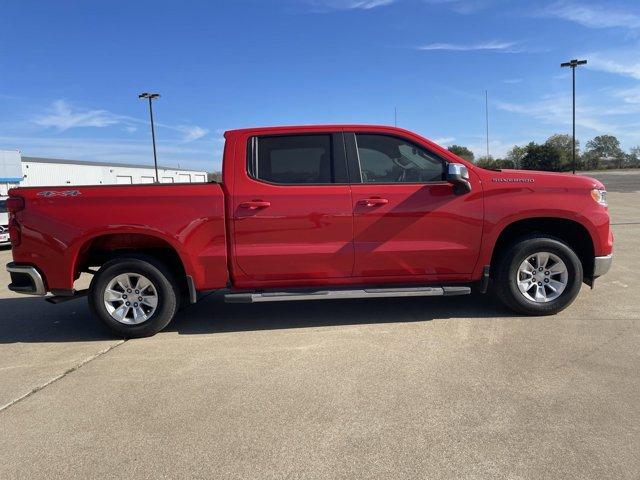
x: 345, y: 294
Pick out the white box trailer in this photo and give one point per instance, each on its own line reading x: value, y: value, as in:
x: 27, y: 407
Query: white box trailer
x: 57, y: 172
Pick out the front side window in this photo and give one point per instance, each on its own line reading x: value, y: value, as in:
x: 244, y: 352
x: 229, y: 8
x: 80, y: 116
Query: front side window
x: 387, y: 159
x: 295, y: 159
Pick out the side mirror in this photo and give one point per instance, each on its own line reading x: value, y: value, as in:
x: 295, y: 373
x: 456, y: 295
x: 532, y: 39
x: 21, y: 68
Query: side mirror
x: 458, y: 175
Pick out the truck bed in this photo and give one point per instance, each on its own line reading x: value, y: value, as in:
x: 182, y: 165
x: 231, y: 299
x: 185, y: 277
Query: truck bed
x: 62, y: 225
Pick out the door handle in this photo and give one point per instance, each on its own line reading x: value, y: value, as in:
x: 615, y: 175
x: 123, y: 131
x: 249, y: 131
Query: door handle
x: 374, y: 202
x: 255, y: 204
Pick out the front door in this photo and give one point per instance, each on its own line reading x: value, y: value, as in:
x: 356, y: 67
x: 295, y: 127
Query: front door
x: 407, y: 220
x: 292, y: 215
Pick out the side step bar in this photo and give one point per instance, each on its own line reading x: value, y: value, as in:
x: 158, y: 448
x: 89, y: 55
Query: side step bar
x: 252, y: 297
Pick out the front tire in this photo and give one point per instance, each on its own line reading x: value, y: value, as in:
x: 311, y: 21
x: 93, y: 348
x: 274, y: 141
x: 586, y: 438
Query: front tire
x: 134, y: 296
x: 538, y: 275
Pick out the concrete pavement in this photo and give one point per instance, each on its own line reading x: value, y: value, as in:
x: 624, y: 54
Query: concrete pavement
x: 386, y: 388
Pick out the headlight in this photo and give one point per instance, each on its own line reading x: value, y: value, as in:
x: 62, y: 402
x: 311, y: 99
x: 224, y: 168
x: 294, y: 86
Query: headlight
x: 599, y: 196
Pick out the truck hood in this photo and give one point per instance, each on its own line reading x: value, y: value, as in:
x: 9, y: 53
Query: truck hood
x: 537, y: 178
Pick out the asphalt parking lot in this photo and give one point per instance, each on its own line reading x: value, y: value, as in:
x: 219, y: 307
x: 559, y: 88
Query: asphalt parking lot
x: 386, y: 388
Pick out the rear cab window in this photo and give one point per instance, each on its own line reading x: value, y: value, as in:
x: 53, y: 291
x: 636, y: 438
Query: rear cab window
x: 313, y: 159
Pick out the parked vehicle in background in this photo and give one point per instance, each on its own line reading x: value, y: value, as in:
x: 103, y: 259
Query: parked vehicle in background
x: 4, y: 222
x: 312, y: 213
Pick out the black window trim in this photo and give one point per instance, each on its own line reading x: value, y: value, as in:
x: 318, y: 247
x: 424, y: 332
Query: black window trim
x: 353, y: 158
x: 338, y: 153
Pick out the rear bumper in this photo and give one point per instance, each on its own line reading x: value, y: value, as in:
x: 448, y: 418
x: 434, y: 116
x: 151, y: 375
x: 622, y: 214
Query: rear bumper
x: 26, y: 279
x: 601, y: 265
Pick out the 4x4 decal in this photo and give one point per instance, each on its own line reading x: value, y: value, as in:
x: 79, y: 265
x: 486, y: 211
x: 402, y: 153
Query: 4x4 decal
x: 63, y: 193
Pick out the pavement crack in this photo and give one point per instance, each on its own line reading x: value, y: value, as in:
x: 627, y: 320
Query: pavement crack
x: 61, y: 376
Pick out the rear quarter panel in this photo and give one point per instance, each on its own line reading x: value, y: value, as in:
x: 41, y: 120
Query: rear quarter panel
x: 56, y: 226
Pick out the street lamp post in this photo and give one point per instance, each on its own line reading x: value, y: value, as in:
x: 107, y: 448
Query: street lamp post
x: 573, y: 64
x: 150, y: 97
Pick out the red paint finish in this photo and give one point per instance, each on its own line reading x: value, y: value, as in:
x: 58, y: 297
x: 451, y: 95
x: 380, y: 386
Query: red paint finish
x: 188, y: 218
x: 551, y: 195
x: 251, y: 234
x: 417, y: 230
x: 286, y: 232
x: 305, y: 232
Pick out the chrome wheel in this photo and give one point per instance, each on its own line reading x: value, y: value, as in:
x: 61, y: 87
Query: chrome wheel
x: 131, y: 298
x: 542, y: 277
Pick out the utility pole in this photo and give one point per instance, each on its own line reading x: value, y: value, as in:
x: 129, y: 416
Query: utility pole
x: 486, y: 110
x: 573, y: 64
x: 150, y: 97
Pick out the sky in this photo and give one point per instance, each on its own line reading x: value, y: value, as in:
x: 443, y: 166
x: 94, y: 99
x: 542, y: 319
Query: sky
x: 71, y: 72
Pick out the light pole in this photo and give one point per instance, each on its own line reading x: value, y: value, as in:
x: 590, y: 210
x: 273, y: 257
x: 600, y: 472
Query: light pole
x: 573, y: 64
x: 152, y: 96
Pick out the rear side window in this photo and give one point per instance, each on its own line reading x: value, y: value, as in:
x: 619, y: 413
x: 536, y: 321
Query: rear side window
x: 293, y: 160
x: 3, y: 206
x: 387, y: 159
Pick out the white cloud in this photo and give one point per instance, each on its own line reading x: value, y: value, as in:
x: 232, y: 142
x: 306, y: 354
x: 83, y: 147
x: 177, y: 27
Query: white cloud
x: 607, y: 112
x: 497, y: 147
x: 464, y: 7
x: 351, y: 4
x: 444, y: 140
x: 593, y: 16
x: 621, y: 63
x: 628, y: 95
x: 512, y: 80
x: 192, y: 132
x: 63, y: 117
x: 491, y: 46
x: 556, y: 110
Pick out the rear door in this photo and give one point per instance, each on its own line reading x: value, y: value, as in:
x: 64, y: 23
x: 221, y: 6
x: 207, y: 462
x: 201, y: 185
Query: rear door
x: 292, y: 212
x: 407, y: 220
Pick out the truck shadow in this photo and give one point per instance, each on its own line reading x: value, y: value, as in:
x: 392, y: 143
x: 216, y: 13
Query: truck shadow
x: 32, y: 320
x: 212, y: 315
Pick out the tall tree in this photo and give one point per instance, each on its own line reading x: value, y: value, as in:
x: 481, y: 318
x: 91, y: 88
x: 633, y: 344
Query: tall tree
x: 461, y: 151
x: 541, y: 157
x: 514, y: 156
x: 486, y: 162
x: 604, y: 148
x: 563, y: 144
x: 633, y: 158
x: 214, y: 176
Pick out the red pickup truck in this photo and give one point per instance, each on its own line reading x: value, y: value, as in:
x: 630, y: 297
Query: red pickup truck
x: 312, y: 213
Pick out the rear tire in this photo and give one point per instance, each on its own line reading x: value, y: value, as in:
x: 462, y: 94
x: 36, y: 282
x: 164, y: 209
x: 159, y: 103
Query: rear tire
x: 134, y: 296
x: 538, y: 275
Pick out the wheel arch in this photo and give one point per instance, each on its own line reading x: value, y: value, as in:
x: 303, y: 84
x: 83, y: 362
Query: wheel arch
x: 100, y: 248
x: 571, y: 232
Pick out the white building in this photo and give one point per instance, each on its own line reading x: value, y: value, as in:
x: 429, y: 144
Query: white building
x: 57, y: 172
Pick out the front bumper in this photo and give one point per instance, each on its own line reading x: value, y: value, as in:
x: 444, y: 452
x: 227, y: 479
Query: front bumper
x: 26, y: 279
x: 601, y: 265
